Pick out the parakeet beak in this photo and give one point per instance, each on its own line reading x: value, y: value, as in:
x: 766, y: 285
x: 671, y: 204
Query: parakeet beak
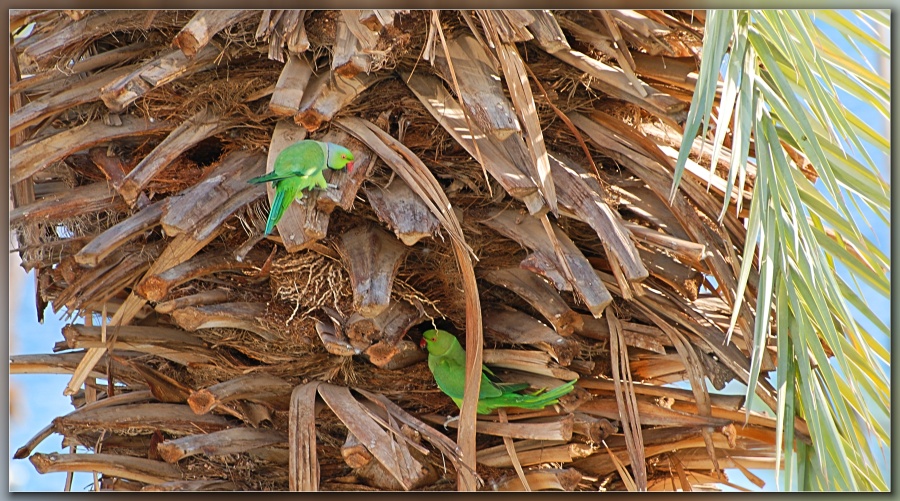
x: 349, y: 166
x: 422, y: 343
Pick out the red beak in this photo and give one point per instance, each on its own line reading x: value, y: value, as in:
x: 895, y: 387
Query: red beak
x: 422, y: 343
x: 349, y: 166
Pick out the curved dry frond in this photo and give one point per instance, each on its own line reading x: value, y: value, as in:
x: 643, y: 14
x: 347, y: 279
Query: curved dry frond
x: 513, y: 180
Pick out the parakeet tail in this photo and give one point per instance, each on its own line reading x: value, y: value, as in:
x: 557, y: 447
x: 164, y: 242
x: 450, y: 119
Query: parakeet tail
x: 284, y: 196
x: 541, y: 400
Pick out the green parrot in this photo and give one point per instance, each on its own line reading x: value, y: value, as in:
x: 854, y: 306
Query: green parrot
x: 300, y: 167
x: 447, y: 361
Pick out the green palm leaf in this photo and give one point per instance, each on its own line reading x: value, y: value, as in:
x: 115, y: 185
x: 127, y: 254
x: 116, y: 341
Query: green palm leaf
x: 781, y: 82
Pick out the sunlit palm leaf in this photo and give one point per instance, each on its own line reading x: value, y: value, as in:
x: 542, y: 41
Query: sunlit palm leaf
x: 782, y: 77
x: 853, y: 32
x: 719, y: 32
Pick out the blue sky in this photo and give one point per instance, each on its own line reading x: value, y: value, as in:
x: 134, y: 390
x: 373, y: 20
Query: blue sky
x: 40, y: 396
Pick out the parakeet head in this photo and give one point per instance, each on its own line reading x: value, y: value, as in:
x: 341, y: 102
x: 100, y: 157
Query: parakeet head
x: 438, y: 342
x: 339, y: 157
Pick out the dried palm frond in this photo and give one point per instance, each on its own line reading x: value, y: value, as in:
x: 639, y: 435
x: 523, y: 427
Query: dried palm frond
x: 518, y: 176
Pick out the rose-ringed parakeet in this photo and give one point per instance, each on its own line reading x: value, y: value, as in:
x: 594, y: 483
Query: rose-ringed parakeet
x: 447, y: 361
x: 300, y: 167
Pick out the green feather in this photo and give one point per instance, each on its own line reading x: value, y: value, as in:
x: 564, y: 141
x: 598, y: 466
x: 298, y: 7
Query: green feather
x: 318, y: 180
x: 272, y: 176
x: 447, y: 361
x: 297, y: 168
x: 285, y: 192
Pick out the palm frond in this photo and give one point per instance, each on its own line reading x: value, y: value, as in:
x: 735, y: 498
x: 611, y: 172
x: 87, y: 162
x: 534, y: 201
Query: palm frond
x: 785, y: 83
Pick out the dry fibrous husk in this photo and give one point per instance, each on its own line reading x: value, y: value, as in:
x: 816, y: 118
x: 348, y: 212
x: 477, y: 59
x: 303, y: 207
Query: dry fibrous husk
x: 511, y: 187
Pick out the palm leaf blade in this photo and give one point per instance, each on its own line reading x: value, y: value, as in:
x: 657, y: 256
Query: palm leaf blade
x: 801, y: 73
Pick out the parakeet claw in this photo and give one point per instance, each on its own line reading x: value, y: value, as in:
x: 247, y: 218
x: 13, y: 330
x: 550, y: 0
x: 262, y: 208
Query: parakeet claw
x: 332, y: 186
x: 449, y: 420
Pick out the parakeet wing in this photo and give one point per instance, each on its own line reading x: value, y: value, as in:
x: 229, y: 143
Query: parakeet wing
x: 272, y: 176
x: 447, y: 361
x: 305, y: 158
x: 525, y: 401
x: 496, y: 381
x: 297, y: 160
x: 512, y: 387
x: 451, y: 376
